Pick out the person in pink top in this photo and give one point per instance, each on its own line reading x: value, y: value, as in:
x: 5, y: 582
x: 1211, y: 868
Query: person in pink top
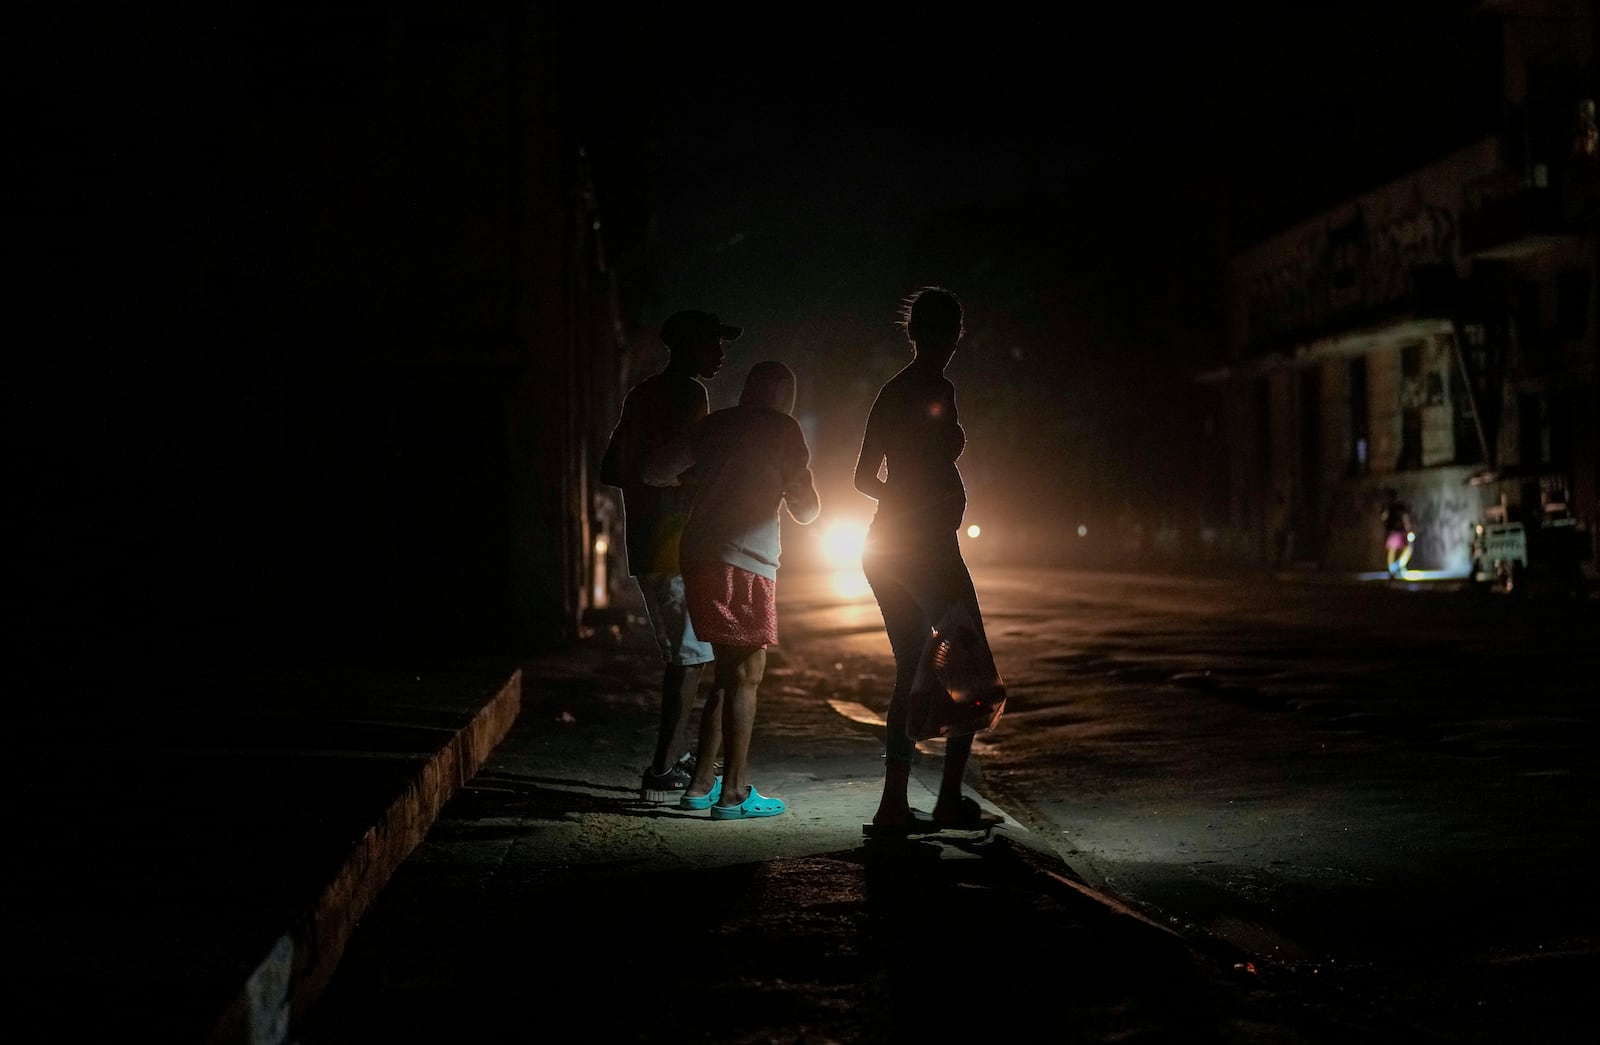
x: 746, y: 463
x: 655, y: 411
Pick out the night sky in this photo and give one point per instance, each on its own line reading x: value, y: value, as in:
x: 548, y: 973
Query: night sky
x: 860, y: 126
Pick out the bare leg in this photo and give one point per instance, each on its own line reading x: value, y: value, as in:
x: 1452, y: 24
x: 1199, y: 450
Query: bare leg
x: 894, y: 808
x: 710, y: 745
x: 894, y: 805
x: 910, y: 598
x: 739, y: 672
x: 956, y: 753
x: 679, y: 687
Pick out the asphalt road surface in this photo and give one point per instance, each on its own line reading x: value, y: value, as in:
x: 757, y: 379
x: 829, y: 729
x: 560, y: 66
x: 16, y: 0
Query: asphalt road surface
x: 1390, y: 785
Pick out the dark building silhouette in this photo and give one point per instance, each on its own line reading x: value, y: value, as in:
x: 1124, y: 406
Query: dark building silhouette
x: 319, y: 332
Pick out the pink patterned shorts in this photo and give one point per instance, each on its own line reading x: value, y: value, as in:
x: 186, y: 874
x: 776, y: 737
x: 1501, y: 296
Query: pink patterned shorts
x: 729, y: 606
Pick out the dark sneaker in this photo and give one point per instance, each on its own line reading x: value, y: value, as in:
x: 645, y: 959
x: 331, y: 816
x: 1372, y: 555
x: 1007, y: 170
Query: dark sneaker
x: 690, y: 761
x: 662, y: 788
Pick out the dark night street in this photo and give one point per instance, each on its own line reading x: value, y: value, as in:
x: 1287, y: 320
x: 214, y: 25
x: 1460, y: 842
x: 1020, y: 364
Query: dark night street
x: 1376, y: 800
x: 1262, y: 399
x: 1348, y: 776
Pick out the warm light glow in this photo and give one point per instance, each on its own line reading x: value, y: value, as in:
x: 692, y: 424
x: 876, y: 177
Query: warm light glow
x: 1083, y: 531
x: 850, y: 583
x: 842, y: 543
x: 600, y: 592
x: 973, y: 530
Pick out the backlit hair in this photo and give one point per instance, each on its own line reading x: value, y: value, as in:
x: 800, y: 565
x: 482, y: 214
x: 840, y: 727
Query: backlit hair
x: 933, y: 308
x: 769, y: 384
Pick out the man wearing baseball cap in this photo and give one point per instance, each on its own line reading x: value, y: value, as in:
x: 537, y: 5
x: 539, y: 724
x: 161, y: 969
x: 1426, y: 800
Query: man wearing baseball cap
x: 694, y: 325
x: 656, y: 410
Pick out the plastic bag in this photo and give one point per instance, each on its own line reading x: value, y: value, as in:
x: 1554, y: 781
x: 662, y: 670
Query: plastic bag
x: 957, y: 689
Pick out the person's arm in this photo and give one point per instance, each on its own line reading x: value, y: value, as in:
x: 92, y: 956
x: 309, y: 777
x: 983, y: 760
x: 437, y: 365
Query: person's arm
x: 800, y: 487
x: 664, y: 465
x: 794, y: 465
x: 613, y: 464
x: 870, y: 459
x: 800, y: 498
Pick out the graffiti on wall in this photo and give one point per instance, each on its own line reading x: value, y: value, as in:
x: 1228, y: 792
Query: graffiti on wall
x: 1444, y: 509
x: 1340, y: 266
x: 1444, y: 520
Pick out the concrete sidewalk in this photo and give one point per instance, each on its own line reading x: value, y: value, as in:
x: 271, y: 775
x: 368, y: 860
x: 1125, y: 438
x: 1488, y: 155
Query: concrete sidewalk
x: 460, y: 855
x: 191, y: 853
x: 548, y: 891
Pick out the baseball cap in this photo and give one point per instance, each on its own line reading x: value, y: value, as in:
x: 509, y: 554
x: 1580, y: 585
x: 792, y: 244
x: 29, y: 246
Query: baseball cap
x: 692, y: 324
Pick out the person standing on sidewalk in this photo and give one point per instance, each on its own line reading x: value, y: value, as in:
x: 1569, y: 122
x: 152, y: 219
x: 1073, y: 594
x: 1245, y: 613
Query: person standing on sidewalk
x: 655, y: 411
x: 912, y: 559
x: 1398, y: 535
x: 748, y: 462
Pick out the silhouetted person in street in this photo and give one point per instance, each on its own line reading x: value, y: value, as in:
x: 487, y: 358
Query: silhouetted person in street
x: 1398, y: 535
x: 655, y: 411
x: 746, y: 463
x: 912, y: 558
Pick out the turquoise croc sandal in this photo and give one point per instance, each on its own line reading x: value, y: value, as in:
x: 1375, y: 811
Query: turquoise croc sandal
x: 702, y: 801
x: 756, y: 805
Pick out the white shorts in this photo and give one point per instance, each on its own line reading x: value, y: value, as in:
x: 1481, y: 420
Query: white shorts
x: 669, y: 618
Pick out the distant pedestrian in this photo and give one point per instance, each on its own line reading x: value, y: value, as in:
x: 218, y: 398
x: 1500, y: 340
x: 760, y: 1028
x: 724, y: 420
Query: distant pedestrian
x: 1398, y: 534
x: 745, y: 463
x: 655, y: 411
x: 912, y: 558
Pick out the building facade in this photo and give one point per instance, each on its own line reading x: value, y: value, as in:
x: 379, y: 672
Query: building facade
x: 1434, y: 336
